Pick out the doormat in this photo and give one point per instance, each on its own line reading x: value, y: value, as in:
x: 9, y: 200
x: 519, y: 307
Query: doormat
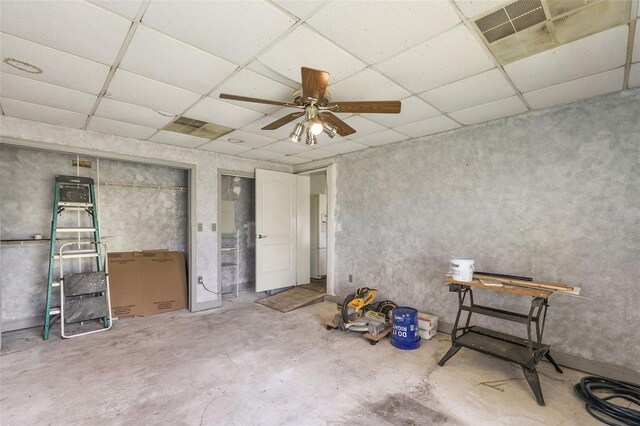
x: 292, y: 299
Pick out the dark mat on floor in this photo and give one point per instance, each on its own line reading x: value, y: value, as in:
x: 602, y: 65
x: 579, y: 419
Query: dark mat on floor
x: 292, y: 299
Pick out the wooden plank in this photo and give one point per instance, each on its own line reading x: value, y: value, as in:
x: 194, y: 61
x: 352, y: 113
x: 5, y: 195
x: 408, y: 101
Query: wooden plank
x: 541, y: 284
x: 506, y: 288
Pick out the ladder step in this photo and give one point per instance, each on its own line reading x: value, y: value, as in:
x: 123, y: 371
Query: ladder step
x: 55, y: 284
x: 76, y: 229
x: 76, y: 254
x: 55, y: 311
x: 69, y: 205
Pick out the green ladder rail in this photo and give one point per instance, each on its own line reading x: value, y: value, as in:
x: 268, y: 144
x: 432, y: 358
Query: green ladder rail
x: 73, y: 193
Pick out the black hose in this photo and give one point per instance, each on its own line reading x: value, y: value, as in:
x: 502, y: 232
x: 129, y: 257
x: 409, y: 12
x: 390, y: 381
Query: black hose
x: 600, y: 406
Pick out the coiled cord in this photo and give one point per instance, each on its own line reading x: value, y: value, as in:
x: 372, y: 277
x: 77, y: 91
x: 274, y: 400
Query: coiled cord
x: 600, y: 404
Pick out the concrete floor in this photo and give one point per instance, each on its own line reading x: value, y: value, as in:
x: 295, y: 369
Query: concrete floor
x: 247, y: 364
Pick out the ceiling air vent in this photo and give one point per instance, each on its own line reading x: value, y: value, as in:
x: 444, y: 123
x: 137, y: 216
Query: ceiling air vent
x: 526, y: 27
x: 193, y: 127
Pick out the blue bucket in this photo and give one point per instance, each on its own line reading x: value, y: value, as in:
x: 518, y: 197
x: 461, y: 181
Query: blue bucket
x: 405, y: 328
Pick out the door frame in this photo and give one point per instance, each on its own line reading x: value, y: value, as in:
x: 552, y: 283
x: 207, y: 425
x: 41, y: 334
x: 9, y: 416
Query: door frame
x: 233, y: 173
x: 330, y: 173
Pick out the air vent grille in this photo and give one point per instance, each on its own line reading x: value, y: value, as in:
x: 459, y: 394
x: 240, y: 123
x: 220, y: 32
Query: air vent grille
x: 526, y: 27
x: 193, y: 127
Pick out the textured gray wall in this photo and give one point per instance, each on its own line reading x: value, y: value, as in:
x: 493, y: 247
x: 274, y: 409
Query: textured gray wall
x: 242, y: 191
x: 554, y: 195
x: 130, y: 218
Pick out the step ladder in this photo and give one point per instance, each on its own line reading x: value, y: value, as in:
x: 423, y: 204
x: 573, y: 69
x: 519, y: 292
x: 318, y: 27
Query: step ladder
x: 84, y: 296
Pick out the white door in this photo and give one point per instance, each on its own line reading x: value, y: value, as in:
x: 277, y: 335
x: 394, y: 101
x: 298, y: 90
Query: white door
x: 275, y: 230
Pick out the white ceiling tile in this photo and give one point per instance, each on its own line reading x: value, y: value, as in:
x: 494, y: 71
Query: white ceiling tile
x: 251, y: 84
x: 472, y: 8
x: 153, y: 94
x: 303, y: 47
x: 491, y: 111
x: 315, y: 154
x: 162, y: 58
x: 263, y: 70
x: 291, y: 160
x: 58, y: 67
x: 179, y: 139
x: 75, y: 27
x: 636, y: 42
x: 574, y: 90
x: 634, y: 77
x: 448, y: 57
x: 382, y: 138
x: 591, y: 55
x: 128, y: 8
x: 225, y: 147
x: 300, y: 8
x: 363, y: 126
x: 260, y: 154
x: 376, y: 30
x: 233, y: 30
x: 251, y: 140
x: 29, y: 111
x: 479, y: 89
x: 129, y: 113
x: 37, y: 92
x: 278, y: 134
x: 413, y: 109
x: 287, y: 147
x: 345, y: 147
x: 223, y: 113
x: 428, y: 126
x: 367, y: 85
x: 119, y: 128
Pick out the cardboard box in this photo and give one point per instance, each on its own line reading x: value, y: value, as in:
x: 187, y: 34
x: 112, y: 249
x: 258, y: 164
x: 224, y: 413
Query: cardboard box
x: 147, y: 283
x: 427, y: 321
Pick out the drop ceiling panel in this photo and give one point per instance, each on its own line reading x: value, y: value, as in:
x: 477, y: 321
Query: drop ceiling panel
x: 37, y: 92
x: 127, y: 130
x: 129, y: 113
x: 251, y: 84
x: 363, y: 126
x: 278, y: 134
x: 367, y: 85
x: 265, y: 71
x: 301, y: 9
x: 315, y: 154
x: 287, y: 147
x: 345, y: 147
x: 634, y: 76
x: 225, y: 147
x: 449, y: 57
x: 260, y: 154
x: 162, y: 58
x: 382, y: 138
x: 125, y: 8
x: 135, y: 89
x: 224, y: 113
x: 304, y: 47
x: 413, y: 109
x: 428, y: 127
x: 575, y: 90
x: 44, y: 114
x: 291, y: 160
x: 479, y: 89
x: 588, y: 56
x: 491, y: 111
x: 471, y: 8
x: 76, y: 27
x: 376, y: 30
x: 178, y: 139
x: 251, y: 140
x: 58, y: 67
x: 233, y: 30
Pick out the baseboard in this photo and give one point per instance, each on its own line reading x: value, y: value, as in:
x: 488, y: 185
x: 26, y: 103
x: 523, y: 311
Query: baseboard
x: 23, y: 323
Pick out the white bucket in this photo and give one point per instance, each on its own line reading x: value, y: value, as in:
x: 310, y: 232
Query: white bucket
x: 462, y: 269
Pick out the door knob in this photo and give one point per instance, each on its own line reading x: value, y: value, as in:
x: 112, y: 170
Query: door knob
x: 260, y: 236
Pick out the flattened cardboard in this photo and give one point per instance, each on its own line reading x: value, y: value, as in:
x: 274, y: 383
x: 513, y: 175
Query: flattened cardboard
x: 147, y: 283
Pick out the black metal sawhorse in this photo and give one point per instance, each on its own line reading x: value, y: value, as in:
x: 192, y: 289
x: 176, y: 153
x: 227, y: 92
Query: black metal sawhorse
x: 524, y: 352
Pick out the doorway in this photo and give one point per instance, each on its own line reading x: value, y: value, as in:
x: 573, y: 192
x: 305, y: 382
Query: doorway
x: 318, y: 230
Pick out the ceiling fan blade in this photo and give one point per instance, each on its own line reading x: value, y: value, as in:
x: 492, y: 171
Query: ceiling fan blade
x: 314, y: 83
x: 379, y: 107
x: 282, y: 121
x: 343, y: 128
x: 256, y: 100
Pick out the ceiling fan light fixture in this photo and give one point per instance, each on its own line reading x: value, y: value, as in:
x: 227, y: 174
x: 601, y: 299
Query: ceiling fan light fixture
x: 329, y: 129
x: 311, y: 138
x: 297, y: 132
x: 316, y: 126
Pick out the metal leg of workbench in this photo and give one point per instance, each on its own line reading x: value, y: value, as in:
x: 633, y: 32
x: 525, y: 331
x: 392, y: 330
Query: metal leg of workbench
x: 462, y: 294
x: 534, y: 382
x: 553, y: 362
x: 451, y: 352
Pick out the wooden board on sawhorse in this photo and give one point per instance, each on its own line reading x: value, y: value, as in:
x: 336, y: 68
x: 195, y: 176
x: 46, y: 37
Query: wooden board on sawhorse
x: 373, y: 340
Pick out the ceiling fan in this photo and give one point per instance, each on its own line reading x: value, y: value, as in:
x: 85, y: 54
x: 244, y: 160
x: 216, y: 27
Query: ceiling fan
x: 317, y: 108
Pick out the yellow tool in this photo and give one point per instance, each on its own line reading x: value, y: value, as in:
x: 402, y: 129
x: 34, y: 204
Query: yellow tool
x: 356, y: 304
